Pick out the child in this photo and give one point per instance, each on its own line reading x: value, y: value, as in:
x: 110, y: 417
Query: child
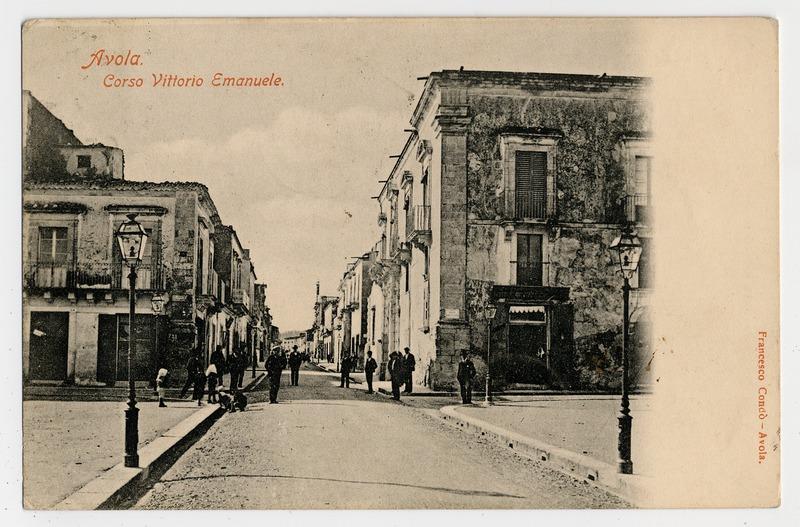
x: 211, y: 374
x: 225, y: 400
x: 161, y: 382
x: 239, y: 401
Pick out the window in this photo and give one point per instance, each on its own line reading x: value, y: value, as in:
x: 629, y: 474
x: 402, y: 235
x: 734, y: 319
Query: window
x: 84, y: 161
x: 642, y: 176
x: 530, y: 184
x: 644, y: 273
x: 529, y: 259
x: 53, y: 246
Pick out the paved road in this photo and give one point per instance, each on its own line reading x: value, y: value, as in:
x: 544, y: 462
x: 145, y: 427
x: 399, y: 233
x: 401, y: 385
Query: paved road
x: 329, y: 447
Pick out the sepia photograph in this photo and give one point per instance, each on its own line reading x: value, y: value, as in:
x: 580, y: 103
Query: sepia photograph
x: 285, y: 264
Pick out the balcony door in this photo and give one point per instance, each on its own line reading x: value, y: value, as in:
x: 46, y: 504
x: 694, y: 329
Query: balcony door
x: 53, y: 257
x: 529, y: 259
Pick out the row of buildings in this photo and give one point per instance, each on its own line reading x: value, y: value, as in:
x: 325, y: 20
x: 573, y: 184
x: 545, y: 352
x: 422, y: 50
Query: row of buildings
x: 197, y: 286
x: 508, y: 191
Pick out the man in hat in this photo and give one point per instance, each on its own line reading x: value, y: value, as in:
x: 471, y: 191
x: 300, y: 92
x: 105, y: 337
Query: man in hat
x: 275, y: 364
x: 295, y: 360
x: 466, y: 372
x: 409, y: 365
x: 396, y: 370
x: 345, y: 370
x: 369, y: 369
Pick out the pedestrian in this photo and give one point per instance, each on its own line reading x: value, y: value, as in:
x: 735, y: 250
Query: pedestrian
x: 396, y: 372
x: 199, y: 387
x: 161, y: 382
x: 218, y: 360
x: 233, y: 368
x: 465, y: 375
x: 275, y: 364
x: 409, y: 365
x: 369, y: 368
x: 193, y: 368
x: 212, y: 376
x: 345, y: 369
x: 295, y: 360
x: 244, y: 361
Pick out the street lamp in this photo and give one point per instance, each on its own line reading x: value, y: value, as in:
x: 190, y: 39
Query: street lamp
x: 132, y: 239
x: 490, y: 312
x: 629, y: 249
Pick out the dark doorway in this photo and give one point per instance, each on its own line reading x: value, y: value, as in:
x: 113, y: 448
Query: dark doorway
x: 48, y: 345
x: 528, y: 353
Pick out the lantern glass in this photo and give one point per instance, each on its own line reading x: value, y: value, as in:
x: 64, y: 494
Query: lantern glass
x: 491, y: 311
x: 629, y: 250
x: 132, y: 239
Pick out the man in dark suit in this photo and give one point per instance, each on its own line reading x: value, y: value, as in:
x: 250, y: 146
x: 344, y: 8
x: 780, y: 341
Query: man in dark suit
x: 275, y: 364
x: 396, y: 370
x: 345, y: 369
x: 466, y: 372
x: 369, y: 368
x: 194, y: 367
x: 295, y: 360
x: 409, y: 365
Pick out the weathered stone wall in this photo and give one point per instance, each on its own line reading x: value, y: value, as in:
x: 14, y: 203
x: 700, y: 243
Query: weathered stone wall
x: 590, y: 183
x: 590, y: 178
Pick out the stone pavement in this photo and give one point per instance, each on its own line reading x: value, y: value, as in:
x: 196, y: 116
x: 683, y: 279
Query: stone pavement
x: 66, y: 444
x: 582, y: 424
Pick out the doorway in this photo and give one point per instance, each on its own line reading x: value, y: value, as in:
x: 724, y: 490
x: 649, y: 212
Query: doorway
x: 49, y: 339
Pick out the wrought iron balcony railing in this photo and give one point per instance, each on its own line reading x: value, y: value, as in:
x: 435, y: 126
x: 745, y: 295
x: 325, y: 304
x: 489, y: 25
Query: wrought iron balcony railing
x: 90, y: 275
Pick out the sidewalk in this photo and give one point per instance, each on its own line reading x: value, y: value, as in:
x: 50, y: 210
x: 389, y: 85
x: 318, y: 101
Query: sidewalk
x: 74, y: 450
x: 66, y: 444
x: 576, y: 434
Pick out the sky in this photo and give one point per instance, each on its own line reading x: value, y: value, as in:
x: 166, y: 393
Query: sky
x: 292, y: 168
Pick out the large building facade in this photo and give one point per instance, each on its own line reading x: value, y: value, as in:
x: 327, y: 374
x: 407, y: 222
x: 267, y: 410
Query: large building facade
x: 509, y: 191
x: 76, y: 300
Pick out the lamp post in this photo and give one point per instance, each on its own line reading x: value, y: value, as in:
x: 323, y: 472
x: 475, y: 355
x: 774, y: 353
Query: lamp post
x: 629, y: 249
x: 490, y: 312
x: 132, y: 240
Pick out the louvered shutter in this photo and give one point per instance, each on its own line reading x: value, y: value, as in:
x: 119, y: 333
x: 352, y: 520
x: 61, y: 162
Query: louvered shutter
x: 530, y: 174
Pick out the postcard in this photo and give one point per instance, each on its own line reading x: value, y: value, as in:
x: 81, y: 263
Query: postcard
x: 452, y: 263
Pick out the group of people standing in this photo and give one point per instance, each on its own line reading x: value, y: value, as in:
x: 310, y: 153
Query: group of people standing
x: 401, y: 369
x: 208, y: 380
x: 276, y: 363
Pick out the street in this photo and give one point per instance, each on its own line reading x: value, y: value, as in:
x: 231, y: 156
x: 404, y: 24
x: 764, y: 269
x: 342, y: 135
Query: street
x: 328, y: 447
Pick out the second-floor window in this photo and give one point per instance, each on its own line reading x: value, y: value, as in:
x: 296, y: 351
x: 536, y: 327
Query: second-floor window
x: 53, y: 246
x: 530, y: 184
x: 84, y: 161
x: 529, y: 259
x: 642, y: 172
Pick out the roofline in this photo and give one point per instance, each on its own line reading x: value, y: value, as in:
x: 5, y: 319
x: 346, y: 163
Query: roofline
x: 514, y: 77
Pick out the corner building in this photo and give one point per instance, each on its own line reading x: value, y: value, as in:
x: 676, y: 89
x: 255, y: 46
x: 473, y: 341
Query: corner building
x: 510, y: 190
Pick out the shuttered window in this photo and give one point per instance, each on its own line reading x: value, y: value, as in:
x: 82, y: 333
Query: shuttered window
x: 530, y: 184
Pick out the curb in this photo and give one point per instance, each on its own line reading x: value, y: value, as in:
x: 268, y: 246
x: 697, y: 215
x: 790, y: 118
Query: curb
x: 120, y: 486
x: 584, y: 468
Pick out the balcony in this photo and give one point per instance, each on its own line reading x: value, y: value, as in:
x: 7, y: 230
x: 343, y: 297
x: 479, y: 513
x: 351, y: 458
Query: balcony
x: 240, y: 298
x: 529, y: 273
x: 90, y: 275
x: 402, y: 253
x: 418, y: 225
x: 530, y: 204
